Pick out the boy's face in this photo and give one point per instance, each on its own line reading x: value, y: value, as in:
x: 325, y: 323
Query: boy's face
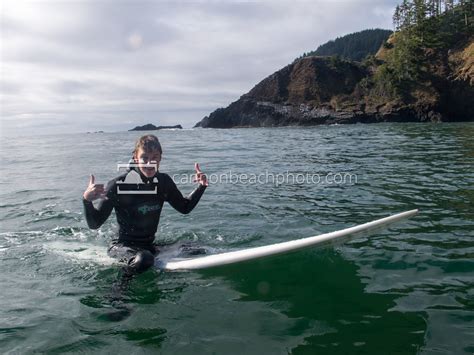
x: 148, y: 157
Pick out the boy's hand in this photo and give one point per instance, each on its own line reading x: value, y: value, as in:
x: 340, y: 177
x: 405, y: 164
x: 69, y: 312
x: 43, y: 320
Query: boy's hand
x: 200, y: 177
x: 94, y: 191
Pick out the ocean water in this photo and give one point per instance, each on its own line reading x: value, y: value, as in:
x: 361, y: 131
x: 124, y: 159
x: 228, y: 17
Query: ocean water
x: 405, y: 289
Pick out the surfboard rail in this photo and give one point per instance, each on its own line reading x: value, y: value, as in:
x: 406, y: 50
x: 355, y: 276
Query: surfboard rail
x: 279, y: 248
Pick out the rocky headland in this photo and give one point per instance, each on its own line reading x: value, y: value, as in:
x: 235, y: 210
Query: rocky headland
x: 325, y: 90
x: 435, y: 85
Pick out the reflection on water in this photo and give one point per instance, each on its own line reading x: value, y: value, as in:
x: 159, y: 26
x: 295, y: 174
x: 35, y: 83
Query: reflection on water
x: 324, y: 288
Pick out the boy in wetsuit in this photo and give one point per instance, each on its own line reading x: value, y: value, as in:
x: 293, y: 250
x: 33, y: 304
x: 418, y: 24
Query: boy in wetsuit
x: 138, y: 197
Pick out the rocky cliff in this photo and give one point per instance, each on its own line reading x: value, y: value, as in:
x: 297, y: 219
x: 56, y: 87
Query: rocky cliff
x: 326, y: 90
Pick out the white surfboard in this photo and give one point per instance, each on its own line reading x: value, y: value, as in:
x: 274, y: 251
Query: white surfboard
x: 168, y: 258
x: 274, y: 249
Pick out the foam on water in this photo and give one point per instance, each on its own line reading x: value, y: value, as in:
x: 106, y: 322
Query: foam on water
x: 80, y: 252
x: 87, y: 252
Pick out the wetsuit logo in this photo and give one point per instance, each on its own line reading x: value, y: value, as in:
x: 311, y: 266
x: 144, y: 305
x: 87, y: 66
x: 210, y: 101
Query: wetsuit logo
x: 145, y: 209
x: 133, y: 183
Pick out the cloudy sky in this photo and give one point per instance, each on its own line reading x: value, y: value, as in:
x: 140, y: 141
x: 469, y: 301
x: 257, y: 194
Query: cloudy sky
x: 76, y: 66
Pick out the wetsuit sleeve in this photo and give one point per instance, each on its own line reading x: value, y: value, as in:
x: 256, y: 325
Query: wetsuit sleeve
x: 95, y: 217
x: 176, y: 199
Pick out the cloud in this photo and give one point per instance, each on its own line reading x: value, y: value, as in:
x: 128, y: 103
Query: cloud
x: 126, y: 63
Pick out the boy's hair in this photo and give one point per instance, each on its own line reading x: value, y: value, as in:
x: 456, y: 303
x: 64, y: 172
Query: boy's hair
x: 148, y: 143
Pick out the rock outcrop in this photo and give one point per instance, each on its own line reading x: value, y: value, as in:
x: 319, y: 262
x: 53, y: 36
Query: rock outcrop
x: 152, y: 127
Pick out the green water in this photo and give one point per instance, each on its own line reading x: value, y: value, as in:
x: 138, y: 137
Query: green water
x: 400, y: 290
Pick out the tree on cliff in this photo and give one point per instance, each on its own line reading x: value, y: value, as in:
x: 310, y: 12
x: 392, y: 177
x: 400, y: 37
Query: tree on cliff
x: 421, y: 25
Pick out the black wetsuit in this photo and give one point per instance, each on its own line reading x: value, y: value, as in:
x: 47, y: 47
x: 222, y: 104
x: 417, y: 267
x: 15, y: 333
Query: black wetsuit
x: 138, y: 207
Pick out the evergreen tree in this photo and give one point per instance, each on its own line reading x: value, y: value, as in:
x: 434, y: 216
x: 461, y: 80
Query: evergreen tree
x: 354, y: 46
x: 422, y: 24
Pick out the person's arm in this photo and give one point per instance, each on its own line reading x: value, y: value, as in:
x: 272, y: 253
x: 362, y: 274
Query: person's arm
x: 185, y: 204
x: 95, y: 217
